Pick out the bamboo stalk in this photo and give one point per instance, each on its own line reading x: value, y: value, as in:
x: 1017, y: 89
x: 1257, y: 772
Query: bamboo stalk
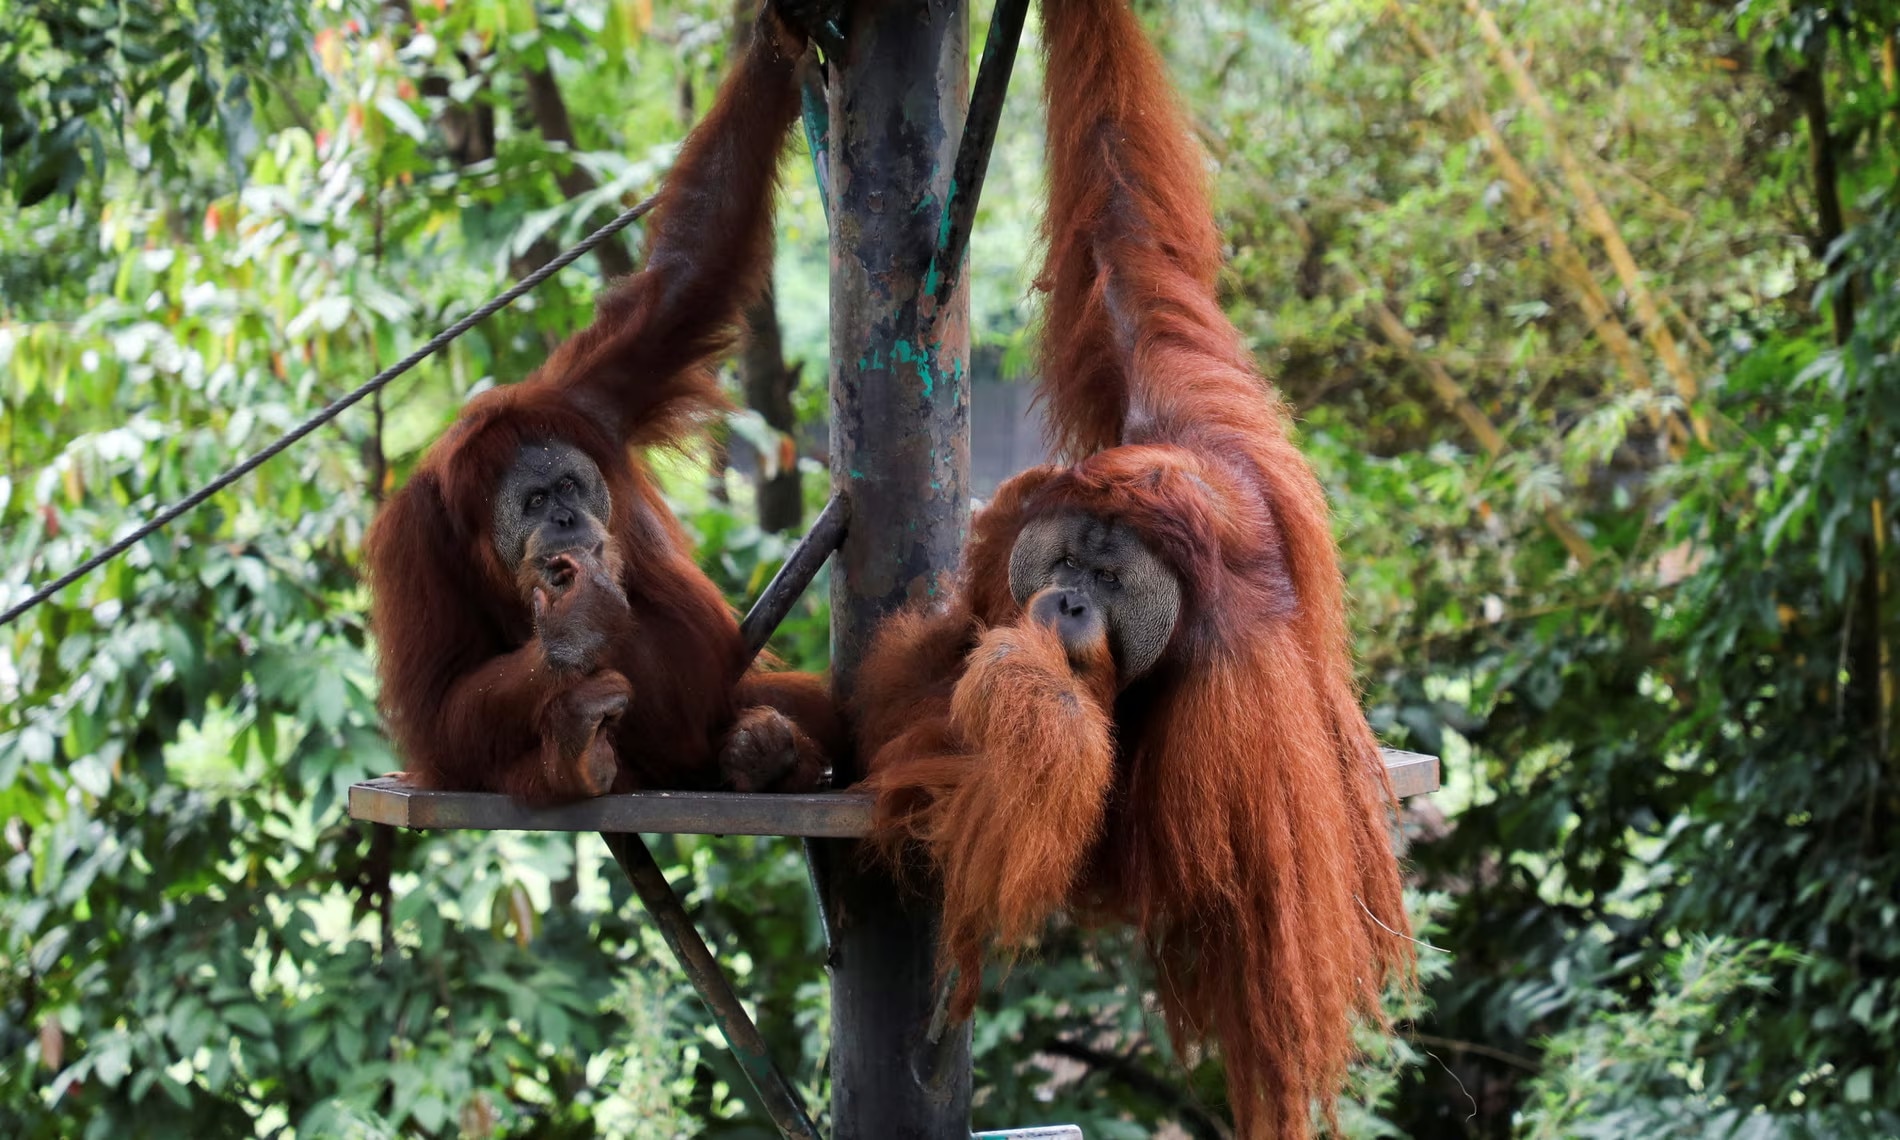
x: 1693, y: 334
x: 1443, y: 385
x: 1605, y: 325
x: 1596, y: 217
x: 1445, y: 388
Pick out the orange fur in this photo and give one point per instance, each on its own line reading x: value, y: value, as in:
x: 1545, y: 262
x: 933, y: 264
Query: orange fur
x: 1246, y: 829
x: 1011, y: 836
x: 467, y: 694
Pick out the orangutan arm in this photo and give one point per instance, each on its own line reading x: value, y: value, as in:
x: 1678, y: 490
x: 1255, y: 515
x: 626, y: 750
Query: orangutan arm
x: 1011, y: 837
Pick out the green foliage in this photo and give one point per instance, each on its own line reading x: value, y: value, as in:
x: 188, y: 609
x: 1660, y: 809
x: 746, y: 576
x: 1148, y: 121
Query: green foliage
x: 73, y: 70
x: 1661, y: 870
x: 1071, y: 1034
x: 1655, y: 1070
x: 193, y: 937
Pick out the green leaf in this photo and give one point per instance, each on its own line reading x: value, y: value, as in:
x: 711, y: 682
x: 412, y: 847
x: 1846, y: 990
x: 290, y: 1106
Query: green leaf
x: 402, y: 118
x: 112, y: 1059
x: 248, y: 1018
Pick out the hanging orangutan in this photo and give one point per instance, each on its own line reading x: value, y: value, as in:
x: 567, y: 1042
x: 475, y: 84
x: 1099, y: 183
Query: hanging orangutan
x: 543, y: 629
x: 1139, y: 702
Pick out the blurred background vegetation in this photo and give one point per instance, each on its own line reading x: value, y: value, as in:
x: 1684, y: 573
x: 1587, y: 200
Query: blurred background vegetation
x: 1588, y: 311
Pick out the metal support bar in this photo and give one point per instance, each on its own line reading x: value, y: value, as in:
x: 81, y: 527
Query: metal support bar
x: 801, y: 566
x: 811, y: 95
x: 900, y: 446
x: 820, y: 542
x: 742, y: 1036
x: 973, y: 150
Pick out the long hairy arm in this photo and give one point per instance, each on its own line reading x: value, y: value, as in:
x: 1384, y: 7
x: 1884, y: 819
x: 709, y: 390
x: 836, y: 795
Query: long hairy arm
x: 639, y: 365
x: 1012, y: 839
x: 1136, y: 348
x: 996, y: 761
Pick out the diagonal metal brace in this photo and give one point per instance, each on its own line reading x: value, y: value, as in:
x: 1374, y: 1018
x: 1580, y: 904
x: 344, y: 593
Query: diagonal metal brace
x: 702, y: 969
x: 819, y: 544
x: 801, y: 566
x: 817, y: 114
x: 973, y: 149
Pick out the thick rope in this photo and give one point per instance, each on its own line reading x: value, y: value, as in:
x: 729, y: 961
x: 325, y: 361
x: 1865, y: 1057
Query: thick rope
x: 440, y: 341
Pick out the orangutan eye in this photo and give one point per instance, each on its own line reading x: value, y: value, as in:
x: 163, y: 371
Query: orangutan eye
x: 1107, y: 578
x: 1070, y: 563
x: 535, y: 500
x: 567, y: 485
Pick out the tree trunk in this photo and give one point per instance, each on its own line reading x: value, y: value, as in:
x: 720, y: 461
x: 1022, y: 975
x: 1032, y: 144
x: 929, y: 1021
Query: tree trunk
x: 1870, y: 688
x: 468, y: 135
x: 551, y: 119
x: 768, y: 382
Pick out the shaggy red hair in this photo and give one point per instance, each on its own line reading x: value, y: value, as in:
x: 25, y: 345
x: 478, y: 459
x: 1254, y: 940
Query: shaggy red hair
x: 1232, y: 804
x: 466, y: 693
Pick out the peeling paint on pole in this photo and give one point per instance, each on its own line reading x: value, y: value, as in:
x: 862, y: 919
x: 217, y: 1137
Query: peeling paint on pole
x: 900, y: 447
x: 900, y: 408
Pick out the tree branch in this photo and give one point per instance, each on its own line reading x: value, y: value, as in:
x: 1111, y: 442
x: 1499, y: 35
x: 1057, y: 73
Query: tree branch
x: 1125, y: 1070
x: 1476, y: 1050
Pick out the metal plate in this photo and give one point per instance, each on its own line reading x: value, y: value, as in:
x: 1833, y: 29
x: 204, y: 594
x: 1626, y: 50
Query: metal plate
x: 1050, y: 1132
x: 835, y: 815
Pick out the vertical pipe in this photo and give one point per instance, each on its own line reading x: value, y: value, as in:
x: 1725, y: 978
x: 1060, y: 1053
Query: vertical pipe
x: 900, y: 448
x: 900, y: 430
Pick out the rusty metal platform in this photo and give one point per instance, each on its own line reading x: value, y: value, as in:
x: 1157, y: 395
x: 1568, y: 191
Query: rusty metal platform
x: 825, y: 815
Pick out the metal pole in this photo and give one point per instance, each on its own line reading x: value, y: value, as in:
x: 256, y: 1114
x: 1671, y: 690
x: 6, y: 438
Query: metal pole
x: 900, y: 448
